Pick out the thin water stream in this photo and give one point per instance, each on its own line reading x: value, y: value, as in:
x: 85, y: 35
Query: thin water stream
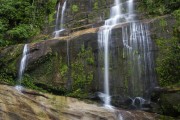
x: 22, y: 66
x: 57, y: 29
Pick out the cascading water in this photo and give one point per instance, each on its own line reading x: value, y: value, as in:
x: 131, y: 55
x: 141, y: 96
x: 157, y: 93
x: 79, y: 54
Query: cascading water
x: 104, y: 36
x: 22, y: 66
x: 62, y: 16
x: 67, y: 53
x: 137, y: 50
x: 57, y: 30
x: 57, y: 17
x: 137, y: 55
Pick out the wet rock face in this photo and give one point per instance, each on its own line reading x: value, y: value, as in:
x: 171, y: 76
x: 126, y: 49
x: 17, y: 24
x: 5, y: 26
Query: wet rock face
x: 81, y: 14
x: 170, y: 104
x: 168, y: 100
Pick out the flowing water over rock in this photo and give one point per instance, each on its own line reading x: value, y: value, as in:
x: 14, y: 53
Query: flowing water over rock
x: 104, y: 37
x: 129, y: 58
x: 62, y: 15
x: 137, y: 52
x: 57, y: 29
x: 57, y: 17
x: 22, y: 66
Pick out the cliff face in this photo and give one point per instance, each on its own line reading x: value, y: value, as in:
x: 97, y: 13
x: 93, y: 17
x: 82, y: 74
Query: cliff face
x: 71, y: 61
x: 83, y: 14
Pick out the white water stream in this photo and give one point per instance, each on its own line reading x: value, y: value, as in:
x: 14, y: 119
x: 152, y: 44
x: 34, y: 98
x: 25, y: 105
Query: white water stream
x: 57, y: 29
x: 104, y: 36
x: 136, y: 42
x: 22, y: 67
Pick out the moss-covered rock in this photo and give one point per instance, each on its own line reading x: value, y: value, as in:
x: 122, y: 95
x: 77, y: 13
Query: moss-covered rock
x: 81, y: 13
x: 170, y: 104
x: 9, y: 63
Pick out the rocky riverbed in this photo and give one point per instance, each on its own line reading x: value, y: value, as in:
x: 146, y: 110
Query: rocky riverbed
x: 32, y: 105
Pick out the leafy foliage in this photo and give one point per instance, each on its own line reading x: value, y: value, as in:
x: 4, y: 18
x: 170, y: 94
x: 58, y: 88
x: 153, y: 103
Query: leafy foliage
x: 158, y: 7
x: 82, y: 73
x: 28, y: 82
x: 22, y: 31
x: 75, y: 8
x: 6, y: 79
x: 95, y: 6
x: 22, y: 19
x: 176, y: 14
x: 168, y: 63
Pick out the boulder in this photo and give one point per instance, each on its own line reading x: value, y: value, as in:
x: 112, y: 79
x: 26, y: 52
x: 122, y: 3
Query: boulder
x: 15, y: 105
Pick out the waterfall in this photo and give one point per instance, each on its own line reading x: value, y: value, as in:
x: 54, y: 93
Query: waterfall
x: 57, y: 30
x: 104, y: 35
x: 67, y: 50
x: 57, y: 17
x: 22, y: 66
x: 137, y: 50
x: 137, y: 47
x: 62, y: 15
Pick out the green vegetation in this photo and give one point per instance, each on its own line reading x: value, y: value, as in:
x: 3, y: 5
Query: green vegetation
x: 82, y: 73
x: 74, y: 8
x: 8, y: 64
x: 165, y: 118
x: 28, y: 82
x: 169, y: 104
x: 22, y: 19
x: 6, y: 79
x: 168, y: 63
x: 163, y: 23
x: 157, y: 7
x: 51, y: 73
x: 176, y: 14
x: 169, y: 50
x: 63, y: 69
x: 95, y: 6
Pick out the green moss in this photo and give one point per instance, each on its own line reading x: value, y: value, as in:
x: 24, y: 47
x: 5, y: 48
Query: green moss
x: 28, y: 82
x: 176, y: 14
x: 6, y: 79
x: 170, y: 104
x: 78, y: 94
x: 9, y: 64
x: 163, y: 23
x: 95, y: 6
x: 157, y: 7
x: 74, y: 8
x: 82, y: 73
x: 162, y: 117
x: 50, y: 74
x: 44, y: 69
x: 168, y: 64
x: 63, y: 69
